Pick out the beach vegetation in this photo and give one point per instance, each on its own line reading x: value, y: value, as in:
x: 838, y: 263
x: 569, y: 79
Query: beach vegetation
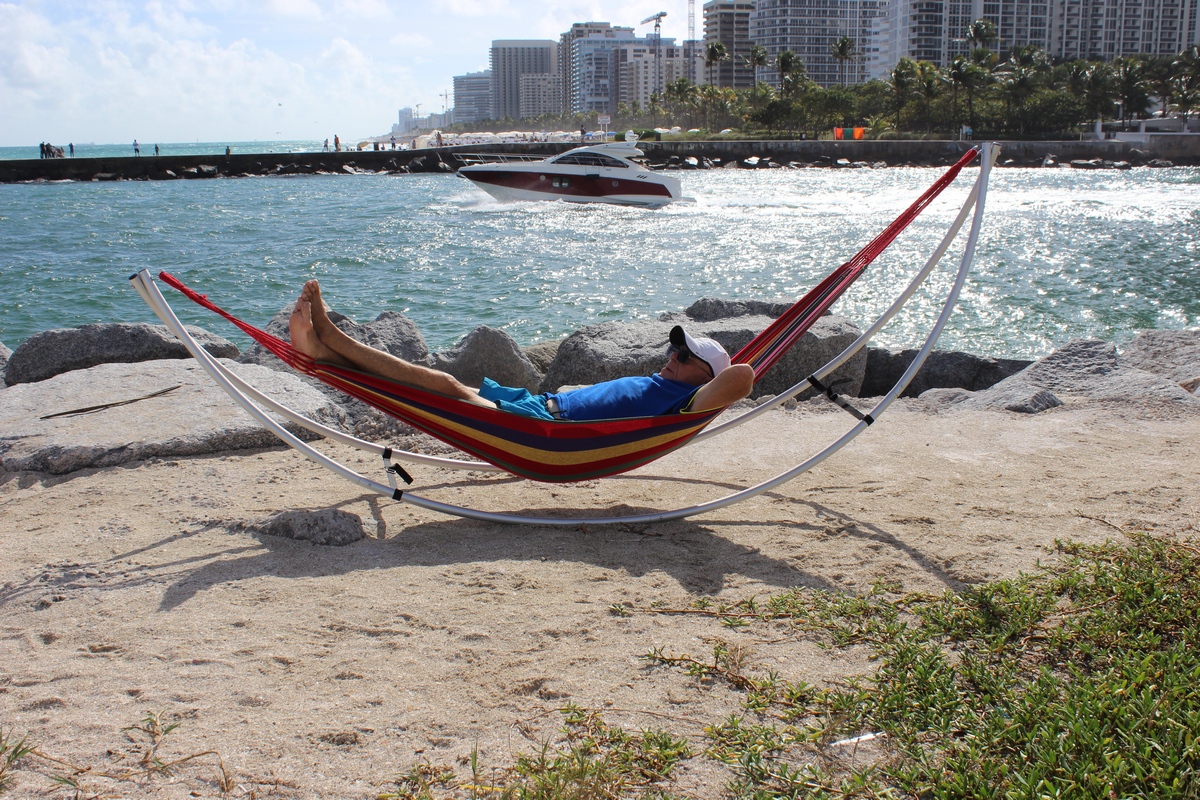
x: 1078, y: 680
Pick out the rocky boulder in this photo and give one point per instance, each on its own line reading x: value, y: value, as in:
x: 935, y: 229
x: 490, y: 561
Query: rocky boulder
x: 621, y: 349
x: 489, y: 353
x: 104, y: 416
x: 542, y: 354
x: 943, y: 369
x: 331, y: 527
x: 54, y: 352
x: 1085, y: 370
x: 1172, y: 354
x: 5, y: 354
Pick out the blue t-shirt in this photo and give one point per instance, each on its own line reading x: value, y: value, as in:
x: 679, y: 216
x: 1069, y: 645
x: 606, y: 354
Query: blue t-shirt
x: 626, y: 397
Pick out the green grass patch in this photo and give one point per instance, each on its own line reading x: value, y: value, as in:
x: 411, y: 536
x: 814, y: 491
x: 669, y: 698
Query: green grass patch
x: 1081, y: 680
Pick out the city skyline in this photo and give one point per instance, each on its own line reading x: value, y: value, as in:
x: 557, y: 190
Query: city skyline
x: 276, y: 69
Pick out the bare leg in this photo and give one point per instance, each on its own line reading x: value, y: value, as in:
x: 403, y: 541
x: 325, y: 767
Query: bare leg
x: 357, y: 355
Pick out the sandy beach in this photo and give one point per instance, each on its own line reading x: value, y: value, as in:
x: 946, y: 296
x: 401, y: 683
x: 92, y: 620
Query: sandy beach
x: 315, y: 671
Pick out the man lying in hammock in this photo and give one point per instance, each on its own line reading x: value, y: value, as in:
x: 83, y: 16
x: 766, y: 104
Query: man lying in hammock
x: 696, y: 377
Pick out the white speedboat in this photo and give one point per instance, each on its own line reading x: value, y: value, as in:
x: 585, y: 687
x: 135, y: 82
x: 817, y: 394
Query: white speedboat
x: 600, y: 173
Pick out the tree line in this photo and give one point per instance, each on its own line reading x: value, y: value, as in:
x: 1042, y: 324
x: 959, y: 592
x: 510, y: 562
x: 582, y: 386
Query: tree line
x: 1021, y: 93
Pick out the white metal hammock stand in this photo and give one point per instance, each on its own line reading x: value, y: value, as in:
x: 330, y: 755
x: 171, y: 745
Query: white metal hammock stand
x: 254, y: 401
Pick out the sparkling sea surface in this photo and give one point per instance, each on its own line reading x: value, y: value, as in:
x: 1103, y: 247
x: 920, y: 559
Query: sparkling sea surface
x: 1064, y: 253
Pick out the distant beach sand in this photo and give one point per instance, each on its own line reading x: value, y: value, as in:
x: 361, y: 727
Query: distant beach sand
x: 325, y: 672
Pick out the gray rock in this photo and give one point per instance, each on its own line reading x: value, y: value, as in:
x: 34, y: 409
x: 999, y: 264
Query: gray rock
x: 194, y: 419
x: 621, y: 349
x: 1086, y: 370
x: 944, y: 369
x: 939, y: 399
x: 1191, y: 385
x: 5, y: 354
x: 489, y: 353
x: 542, y: 354
x: 329, y: 526
x: 1013, y: 394
x: 708, y: 309
x: 1172, y: 354
x: 54, y: 352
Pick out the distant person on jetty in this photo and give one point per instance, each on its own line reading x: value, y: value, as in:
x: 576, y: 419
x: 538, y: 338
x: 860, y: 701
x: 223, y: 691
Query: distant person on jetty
x: 71, y: 147
x: 156, y: 150
x: 337, y: 144
x: 696, y: 377
x: 137, y: 150
x: 326, y: 147
x: 393, y: 141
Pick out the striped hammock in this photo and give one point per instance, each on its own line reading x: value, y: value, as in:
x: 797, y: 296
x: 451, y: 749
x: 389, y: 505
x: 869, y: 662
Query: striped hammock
x: 563, y: 451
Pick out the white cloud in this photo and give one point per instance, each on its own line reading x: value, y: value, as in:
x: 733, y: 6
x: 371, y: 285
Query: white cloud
x: 305, y: 9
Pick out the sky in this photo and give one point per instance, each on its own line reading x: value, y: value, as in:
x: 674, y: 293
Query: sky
x: 107, y: 72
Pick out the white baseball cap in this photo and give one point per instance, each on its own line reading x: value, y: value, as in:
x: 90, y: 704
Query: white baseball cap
x: 707, y: 350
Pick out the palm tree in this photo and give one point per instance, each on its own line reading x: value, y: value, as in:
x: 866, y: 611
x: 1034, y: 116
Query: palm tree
x: 982, y: 32
x: 965, y: 75
x: 929, y: 85
x: 714, y: 52
x: 1129, y: 78
x: 787, y: 62
x: 843, y: 50
x: 903, y: 82
x: 757, y: 59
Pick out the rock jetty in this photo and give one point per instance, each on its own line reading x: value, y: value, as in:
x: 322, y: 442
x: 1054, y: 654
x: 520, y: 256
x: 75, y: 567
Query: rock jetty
x: 103, y: 395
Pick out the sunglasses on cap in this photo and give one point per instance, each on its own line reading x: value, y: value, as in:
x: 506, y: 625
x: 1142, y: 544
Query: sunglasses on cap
x: 683, y: 355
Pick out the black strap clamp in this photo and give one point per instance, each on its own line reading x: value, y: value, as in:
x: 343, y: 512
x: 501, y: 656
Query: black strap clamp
x: 837, y: 399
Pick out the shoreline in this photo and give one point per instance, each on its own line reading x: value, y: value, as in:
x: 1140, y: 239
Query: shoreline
x: 1162, y: 151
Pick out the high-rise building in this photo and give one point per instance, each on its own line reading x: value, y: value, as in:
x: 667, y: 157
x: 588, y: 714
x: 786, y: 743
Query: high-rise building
x: 645, y: 67
x: 728, y: 22
x: 810, y: 31
x: 936, y: 30
x: 473, y: 96
x: 595, y: 71
x: 582, y: 30
x: 512, y: 58
x: 1108, y: 29
x: 541, y: 93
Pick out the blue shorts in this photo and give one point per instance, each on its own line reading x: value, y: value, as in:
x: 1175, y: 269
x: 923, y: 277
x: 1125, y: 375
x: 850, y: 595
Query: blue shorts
x: 515, y: 401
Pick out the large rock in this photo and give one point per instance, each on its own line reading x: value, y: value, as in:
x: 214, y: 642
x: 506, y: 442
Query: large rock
x: 708, y: 309
x: 54, y: 352
x: 943, y: 369
x: 328, y: 526
x: 489, y: 353
x: 621, y: 349
x: 1172, y: 354
x: 1085, y: 370
x: 194, y: 419
x: 5, y: 354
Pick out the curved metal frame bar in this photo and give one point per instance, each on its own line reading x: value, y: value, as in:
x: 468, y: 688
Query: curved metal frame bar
x: 146, y: 287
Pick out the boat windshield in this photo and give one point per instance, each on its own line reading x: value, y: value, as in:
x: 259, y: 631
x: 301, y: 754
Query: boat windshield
x: 590, y: 160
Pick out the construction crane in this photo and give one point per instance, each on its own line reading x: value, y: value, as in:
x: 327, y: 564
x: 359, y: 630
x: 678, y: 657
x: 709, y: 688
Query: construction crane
x: 691, y: 53
x: 657, y: 20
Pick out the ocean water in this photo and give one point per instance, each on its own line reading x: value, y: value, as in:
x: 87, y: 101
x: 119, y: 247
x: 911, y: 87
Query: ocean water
x: 1064, y: 253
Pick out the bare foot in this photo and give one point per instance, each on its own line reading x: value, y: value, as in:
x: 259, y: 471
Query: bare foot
x: 304, y: 338
x: 320, y: 320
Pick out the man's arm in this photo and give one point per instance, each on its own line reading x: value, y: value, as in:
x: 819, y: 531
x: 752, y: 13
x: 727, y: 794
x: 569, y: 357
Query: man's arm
x: 730, y: 386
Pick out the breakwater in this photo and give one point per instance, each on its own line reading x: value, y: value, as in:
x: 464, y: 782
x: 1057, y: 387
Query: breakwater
x: 1179, y: 150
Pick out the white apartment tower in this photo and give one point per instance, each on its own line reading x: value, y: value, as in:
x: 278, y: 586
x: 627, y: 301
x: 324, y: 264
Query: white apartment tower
x: 582, y: 30
x: 809, y: 28
x: 512, y: 58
